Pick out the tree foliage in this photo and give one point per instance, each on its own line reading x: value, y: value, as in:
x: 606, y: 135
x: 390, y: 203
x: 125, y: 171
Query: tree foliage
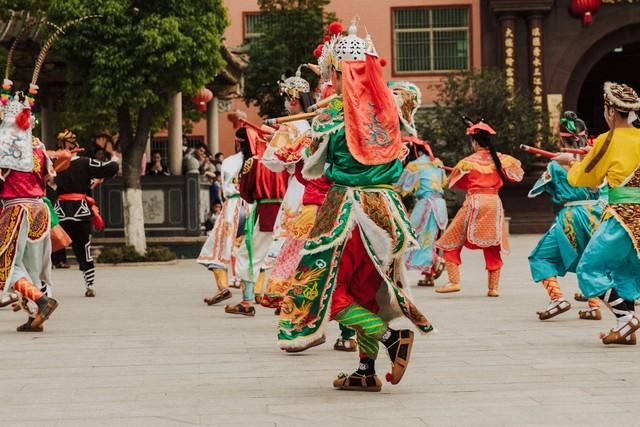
x: 126, y: 63
x: 290, y: 31
x: 483, y: 94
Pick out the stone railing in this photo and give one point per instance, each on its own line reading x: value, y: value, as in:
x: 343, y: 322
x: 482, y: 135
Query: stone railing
x: 173, y: 206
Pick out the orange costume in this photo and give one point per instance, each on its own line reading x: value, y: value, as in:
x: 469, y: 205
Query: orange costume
x: 479, y: 224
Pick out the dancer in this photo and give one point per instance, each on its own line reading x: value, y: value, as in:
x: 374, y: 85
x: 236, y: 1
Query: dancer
x: 266, y: 189
x: 217, y: 252
x: 298, y: 211
x: 353, y: 259
x: 560, y: 249
x: 76, y: 209
x: 479, y: 224
x: 283, y: 153
x: 610, y: 263
x: 25, y: 255
x: 425, y: 178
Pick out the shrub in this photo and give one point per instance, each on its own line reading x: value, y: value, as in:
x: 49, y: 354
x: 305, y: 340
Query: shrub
x: 483, y: 94
x: 124, y: 254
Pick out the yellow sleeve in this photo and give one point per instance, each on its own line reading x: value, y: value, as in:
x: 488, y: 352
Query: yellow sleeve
x: 579, y: 177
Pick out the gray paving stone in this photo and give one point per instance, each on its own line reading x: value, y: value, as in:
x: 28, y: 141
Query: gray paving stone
x: 146, y: 351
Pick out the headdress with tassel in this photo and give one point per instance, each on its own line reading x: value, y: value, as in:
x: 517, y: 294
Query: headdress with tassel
x: 16, y: 146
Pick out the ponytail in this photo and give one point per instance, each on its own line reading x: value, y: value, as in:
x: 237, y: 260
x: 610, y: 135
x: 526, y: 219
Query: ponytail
x: 484, y: 140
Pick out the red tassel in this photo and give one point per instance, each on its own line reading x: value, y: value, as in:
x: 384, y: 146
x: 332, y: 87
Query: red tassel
x: 587, y: 19
x: 335, y: 28
x: 23, y: 120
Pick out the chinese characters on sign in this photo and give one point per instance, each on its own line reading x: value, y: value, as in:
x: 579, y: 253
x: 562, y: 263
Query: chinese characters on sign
x: 509, y: 58
x: 537, y: 84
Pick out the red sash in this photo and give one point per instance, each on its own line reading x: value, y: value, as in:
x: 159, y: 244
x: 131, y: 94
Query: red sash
x: 97, y: 220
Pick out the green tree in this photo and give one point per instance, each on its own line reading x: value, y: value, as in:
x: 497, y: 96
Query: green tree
x: 483, y: 94
x: 129, y: 62
x: 290, y: 31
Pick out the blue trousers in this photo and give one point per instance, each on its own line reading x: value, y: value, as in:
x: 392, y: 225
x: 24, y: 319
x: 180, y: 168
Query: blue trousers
x: 610, y: 261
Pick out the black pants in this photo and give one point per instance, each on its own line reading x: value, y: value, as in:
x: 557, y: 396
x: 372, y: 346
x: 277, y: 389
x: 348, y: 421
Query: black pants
x: 80, y: 233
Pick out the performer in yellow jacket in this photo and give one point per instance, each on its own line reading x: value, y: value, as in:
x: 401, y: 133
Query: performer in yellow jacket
x: 611, y: 261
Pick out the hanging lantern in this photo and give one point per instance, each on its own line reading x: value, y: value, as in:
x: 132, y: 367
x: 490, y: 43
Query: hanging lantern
x: 586, y: 9
x: 201, y: 98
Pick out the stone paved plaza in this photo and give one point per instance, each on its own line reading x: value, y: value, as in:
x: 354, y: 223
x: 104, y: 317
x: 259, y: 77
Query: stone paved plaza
x: 147, y: 351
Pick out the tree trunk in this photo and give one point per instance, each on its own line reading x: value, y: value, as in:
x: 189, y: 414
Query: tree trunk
x: 133, y: 146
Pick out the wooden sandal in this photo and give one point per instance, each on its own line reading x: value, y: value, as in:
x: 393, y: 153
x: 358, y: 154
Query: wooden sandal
x: 28, y: 327
x: 219, y: 297
x: 555, y: 308
x: 620, y: 336
x: 437, y: 271
x: 427, y: 281
x: 400, y: 357
x: 594, y: 314
x: 341, y: 345
x: 358, y: 382
x: 8, y: 299
x: 249, y: 311
x: 579, y: 297
x: 44, y: 313
x: 615, y: 338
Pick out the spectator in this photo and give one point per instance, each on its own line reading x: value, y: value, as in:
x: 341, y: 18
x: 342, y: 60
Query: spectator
x: 157, y: 166
x: 216, y: 189
x: 215, y: 214
x: 219, y: 157
x: 194, y: 160
x: 113, y: 150
x: 101, y: 155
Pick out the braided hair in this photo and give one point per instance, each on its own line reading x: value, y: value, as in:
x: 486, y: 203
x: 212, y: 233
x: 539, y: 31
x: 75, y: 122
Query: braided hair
x: 484, y: 140
x: 574, y: 128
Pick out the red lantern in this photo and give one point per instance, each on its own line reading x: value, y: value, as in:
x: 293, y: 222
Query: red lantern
x: 585, y: 8
x: 201, y: 98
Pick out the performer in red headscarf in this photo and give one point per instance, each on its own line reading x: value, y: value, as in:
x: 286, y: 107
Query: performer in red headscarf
x: 479, y: 224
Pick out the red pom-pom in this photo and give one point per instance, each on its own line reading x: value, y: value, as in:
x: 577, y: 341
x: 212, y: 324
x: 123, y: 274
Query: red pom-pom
x: 335, y: 28
x: 326, y: 38
x: 317, y: 52
x: 388, y: 377
x: 23, y: 120
x: 383, y: 62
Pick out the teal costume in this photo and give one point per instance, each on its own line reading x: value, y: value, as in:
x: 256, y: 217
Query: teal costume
x: 561, y: 248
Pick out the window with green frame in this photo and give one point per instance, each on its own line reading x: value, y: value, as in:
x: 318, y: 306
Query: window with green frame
x: 252, y: 23
x: 428, y: 39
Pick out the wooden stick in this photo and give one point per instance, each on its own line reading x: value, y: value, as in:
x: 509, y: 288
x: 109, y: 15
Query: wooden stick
x: 260, y: 129
x: 538, y: 151
x: 578, y: 151
x: 322, y: 102
x: 286, y: 119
